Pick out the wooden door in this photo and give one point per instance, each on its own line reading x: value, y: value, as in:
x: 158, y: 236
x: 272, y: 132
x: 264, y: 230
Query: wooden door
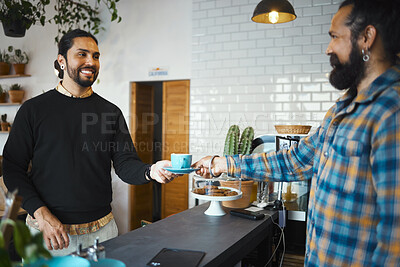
x: 141, y: 124
x: 176, y: 99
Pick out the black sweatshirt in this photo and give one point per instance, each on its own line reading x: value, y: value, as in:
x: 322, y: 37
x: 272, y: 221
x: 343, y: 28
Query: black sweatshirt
x: 71, y: 143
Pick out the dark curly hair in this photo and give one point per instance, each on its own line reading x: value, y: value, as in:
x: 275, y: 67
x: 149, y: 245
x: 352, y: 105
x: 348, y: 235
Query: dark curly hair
x: 384, y: 16
x: 66, y: 42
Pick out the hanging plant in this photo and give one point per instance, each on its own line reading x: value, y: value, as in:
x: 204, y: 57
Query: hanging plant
x: 69, y: 15
x: 19, y: 15
x: 80, y: 14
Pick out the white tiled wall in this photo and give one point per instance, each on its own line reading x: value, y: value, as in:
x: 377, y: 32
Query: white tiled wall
x: 254, y: 74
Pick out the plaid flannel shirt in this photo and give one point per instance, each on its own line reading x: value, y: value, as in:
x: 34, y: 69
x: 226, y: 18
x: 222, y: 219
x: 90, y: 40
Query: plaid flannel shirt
x: 353, y: 161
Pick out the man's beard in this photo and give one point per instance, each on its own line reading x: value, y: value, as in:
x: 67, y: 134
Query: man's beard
x: 74, y: 74
x: 347, y: 75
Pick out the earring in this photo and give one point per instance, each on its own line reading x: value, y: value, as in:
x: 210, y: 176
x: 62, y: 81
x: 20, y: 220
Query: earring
x: 62, y: 67
x: 365, y: 54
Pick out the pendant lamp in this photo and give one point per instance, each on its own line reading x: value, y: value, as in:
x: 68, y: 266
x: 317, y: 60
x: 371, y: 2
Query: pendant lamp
x: 273, y: 11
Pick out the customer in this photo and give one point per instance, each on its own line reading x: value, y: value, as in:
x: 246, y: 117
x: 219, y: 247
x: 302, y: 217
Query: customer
x: 71, y: 135
x: 353, y: 159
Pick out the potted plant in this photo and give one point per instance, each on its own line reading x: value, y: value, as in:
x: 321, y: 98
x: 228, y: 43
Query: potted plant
x: 4, y: 123
x: 4, y: 62
x: 16, y: 93
x: 2, y: 94
x: 19, y: 15
x: 29, y: 247
x: 19, y: 60
x: 236, y: 144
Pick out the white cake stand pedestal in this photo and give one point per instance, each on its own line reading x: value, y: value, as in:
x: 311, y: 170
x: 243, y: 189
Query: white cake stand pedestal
x: 215, y: 208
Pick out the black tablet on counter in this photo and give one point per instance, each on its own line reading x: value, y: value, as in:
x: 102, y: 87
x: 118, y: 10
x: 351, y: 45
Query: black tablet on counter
x: 171, y: 257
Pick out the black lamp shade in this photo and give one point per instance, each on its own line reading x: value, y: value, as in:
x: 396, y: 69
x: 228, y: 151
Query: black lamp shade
x: 284, y: 9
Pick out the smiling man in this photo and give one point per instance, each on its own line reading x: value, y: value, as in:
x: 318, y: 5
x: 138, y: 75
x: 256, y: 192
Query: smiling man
x: 353, y: 159
x: 71, y: 137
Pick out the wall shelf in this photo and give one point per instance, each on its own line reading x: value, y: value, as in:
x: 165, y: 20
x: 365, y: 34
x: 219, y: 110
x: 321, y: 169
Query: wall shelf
x: 10, y: 104
x: 14, y: 76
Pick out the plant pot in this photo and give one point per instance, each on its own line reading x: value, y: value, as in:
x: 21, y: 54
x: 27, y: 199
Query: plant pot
x: 3, y: 98
x: 246, y: 188
x: 4, y: 68
x: 14, y: 29
x: 16, y: 96
x: 19, y: 68
x: 4, y: 126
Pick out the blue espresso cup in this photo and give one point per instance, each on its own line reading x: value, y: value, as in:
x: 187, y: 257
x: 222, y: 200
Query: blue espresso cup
x: 181, y: 161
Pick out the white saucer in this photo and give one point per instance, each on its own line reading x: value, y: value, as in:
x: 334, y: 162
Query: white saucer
x: 181, y: 171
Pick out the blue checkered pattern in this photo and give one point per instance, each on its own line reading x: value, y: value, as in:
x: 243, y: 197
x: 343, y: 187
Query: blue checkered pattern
x: 353, y: 161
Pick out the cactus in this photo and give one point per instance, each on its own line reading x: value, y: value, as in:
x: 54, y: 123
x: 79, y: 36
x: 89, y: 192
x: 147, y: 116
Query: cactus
x: 245, y: 141
x: 232, y: 141
x: 4, y: 118
x: 15, y: 87
x: 245, y: 147
x: 232, y: 144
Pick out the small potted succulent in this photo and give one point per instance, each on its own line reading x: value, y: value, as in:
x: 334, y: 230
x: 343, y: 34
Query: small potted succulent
x: 4, y: 123
x: 16, y: 93
x: 19, y: 59
x: 4, y: 62
x: 2, y: 94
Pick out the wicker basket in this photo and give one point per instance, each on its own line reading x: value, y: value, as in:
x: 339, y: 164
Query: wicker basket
x: 292, y: 129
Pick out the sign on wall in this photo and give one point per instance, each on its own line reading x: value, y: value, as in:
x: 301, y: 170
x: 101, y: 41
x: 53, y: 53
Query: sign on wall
x: 160, y: 71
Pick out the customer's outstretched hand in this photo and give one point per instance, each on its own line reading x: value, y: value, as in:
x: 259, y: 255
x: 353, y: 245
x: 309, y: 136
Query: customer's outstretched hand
x: 218, y: 166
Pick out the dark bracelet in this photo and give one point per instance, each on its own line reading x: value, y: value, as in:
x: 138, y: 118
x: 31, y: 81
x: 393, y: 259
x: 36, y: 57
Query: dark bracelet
x: 147, y: 172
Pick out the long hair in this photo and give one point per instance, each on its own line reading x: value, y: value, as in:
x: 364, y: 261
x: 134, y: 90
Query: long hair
x: 384, y: 16
x: 66, y: 42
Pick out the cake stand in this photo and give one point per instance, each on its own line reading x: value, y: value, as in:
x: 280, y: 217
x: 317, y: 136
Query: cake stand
x: 215, y: 208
